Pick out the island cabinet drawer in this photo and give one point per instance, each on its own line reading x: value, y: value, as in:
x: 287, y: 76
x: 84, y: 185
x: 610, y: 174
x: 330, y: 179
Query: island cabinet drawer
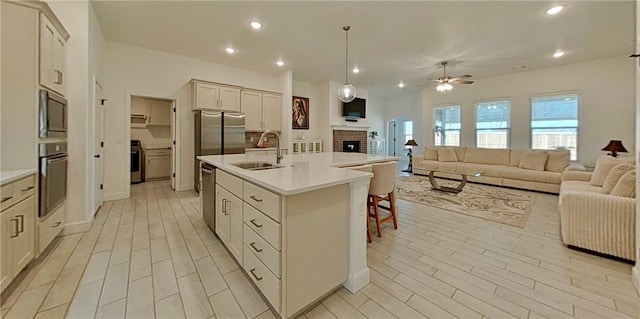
x: 230, y: 182
x: 262, y: 199
x: 7, y: 196
x: 15, y: 192
x: 262, y: 225
x: 263, y: 250
x: 268, y: 284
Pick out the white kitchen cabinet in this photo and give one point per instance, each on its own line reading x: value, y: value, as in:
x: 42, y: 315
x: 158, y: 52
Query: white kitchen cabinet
x: 229, y: 212
x: 376, y: 147
x: 157, y: 164
x: 149, y: 112
x: 18, y: 229
x: 52, y: 56
x: 159, y: 113
x: 307, y: 146
x: 263, y: 110
x: 215, y: 97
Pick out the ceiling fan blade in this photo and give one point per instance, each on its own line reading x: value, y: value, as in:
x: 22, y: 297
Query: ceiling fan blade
x: 421, y: 85
x: 461, y: 82
x: 460, y: 77
x: 436, y: 80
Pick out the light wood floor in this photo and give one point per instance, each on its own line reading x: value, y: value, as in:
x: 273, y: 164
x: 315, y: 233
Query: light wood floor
x: 153, y: 256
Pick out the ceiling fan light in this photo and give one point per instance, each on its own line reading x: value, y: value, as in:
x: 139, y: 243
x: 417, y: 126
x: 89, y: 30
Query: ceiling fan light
x: 346, y: 93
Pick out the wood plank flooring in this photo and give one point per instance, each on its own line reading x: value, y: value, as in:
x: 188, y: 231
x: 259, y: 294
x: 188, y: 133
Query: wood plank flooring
x: 152, y: 256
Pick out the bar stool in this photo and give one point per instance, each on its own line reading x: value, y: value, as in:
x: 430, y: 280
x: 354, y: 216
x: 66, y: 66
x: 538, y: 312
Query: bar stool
x: 381, y: 189
x: 364, y: 168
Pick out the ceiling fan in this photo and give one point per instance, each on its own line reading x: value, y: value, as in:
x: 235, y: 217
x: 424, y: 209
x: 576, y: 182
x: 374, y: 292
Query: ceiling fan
x: 445, y: 82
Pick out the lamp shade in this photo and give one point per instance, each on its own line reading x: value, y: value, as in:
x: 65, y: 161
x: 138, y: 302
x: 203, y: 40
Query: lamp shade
x: 614, y: 147
x: 411, y: 143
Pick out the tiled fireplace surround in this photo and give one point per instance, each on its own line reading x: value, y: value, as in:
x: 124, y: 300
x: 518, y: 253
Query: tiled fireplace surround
x: 340, y: 136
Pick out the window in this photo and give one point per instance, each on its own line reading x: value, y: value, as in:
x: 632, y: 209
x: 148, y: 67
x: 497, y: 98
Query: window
x: 554, y: 123
x: 493, y: 124
x: 408, y: 132
x: 447, y: 126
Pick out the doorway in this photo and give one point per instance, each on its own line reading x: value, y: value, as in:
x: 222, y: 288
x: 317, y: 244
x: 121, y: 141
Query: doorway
x: 399, y: 131
x: 152, y: 139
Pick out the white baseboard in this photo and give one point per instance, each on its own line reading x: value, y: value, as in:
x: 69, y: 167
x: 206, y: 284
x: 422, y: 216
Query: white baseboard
x: 115, y: 196
x: 358, y: 281
x: 635, y: 277
x: 76, y: 227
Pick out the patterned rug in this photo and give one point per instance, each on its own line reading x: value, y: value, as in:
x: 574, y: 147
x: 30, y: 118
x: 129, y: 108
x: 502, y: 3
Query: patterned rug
x: 497, y: 204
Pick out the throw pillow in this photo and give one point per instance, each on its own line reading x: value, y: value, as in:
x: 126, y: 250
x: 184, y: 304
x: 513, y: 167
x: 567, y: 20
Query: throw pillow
x: 614, y: 176
x: 558, y: 161
x: 431, y: 153
x: 604, y: 164
x: 447, y: 154
x: 533, y: 160
x: 626, y: 185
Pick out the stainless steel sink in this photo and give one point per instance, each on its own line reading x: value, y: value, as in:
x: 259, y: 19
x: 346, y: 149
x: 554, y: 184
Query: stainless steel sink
x: 256, y: 166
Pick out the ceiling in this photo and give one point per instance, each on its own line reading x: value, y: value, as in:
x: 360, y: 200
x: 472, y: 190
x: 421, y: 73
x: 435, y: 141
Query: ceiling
x: 389, y: 41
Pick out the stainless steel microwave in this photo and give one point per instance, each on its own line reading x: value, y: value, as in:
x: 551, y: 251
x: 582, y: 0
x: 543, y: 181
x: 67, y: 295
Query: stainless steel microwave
x: 53, y: 115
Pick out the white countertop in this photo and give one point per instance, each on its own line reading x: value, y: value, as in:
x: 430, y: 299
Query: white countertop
x: 152, y: 146
x: 301, y: 172
x: 263, y: 149
x: 12, y: 175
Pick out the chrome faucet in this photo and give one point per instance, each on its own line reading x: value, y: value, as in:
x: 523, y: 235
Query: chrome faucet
x: 263, y: 137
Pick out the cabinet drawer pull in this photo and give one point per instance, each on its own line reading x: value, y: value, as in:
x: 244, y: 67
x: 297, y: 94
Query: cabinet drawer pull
x: 56, y: 224
x: 17, y: 232
x: 28, y: 188
x: 6, y: 199
x: 253, y: 245
x: 253, y: 221
x: 256, y: 199
x: 253, y: 272
x: 21, y: 217
x: 58, y: 77
x: 224, y: 206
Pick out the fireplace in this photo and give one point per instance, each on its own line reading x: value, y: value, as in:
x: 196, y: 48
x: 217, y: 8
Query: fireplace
x: 351, y: 146
x: 342, y: 137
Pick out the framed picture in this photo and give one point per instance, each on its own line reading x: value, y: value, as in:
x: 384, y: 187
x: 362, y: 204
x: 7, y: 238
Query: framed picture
x: 300, y: 113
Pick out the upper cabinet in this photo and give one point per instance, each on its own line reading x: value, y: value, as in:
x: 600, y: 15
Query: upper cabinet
x: 263, y: 110
x: 147, y: 112
x: 52, y: 56
x: 215, y: 97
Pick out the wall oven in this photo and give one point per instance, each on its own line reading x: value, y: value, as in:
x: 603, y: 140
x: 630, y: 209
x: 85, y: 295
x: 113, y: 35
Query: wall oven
x: 52, y: 115
x: 53, y: 177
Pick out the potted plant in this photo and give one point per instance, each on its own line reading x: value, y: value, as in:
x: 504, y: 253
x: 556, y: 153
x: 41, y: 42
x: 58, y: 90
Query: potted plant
x: 373, y: 135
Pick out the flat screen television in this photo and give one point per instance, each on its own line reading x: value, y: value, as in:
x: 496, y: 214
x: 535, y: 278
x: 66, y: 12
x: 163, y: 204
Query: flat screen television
x: 355, y: 108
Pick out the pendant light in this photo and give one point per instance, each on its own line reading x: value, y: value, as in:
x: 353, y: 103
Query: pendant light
x: 346, y: 92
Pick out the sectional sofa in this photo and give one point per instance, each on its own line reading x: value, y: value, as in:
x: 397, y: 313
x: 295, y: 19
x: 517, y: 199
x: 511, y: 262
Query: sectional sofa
x: 538, y: 170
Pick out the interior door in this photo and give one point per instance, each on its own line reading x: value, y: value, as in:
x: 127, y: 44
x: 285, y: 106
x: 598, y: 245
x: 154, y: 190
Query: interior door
x: 98, y: 146
x: 391, y: 138
x: 173, y: 144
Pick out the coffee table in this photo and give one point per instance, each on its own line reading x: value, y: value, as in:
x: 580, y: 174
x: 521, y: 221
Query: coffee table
x: 455, y: 190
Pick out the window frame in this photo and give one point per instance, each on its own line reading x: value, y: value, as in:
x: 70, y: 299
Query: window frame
x: 404, y: 133
x: 433, y: 124
x: 578, y: 95
x: 475, y: 119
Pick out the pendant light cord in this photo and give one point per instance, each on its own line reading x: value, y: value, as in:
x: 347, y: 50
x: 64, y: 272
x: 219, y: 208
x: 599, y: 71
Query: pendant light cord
x: 346, y: 55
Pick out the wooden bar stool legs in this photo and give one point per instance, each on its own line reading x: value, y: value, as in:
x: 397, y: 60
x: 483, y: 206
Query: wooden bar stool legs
x: 374, y: 202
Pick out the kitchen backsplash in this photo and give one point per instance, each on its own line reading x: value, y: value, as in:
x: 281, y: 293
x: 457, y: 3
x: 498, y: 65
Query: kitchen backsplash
x: 251, y: 140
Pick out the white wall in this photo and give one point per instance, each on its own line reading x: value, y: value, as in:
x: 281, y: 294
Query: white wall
x: 607, y: 89
x: 74, y: 15
x: 636, y: 269
x: 407, y: 107
x: 131, y: 70
x: 305, y: 89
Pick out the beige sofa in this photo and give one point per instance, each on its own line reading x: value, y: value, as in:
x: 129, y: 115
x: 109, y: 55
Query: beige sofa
x: 538, y: 170
x: 593, y: 219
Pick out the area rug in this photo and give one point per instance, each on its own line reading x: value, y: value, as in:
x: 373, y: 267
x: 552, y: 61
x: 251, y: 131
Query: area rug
x: 497, y: 204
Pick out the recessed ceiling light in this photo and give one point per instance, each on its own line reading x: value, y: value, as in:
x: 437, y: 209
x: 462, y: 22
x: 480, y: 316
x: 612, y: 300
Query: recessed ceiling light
x: 280, y: 63
x: 554, y: 10
x: 256, y: 25
x: 401, y: 85
x: 356, y: 70
x: 558, y: 54
x: 230, y: 50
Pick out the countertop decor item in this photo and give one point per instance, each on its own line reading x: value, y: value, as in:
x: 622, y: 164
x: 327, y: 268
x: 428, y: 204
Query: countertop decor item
x: 614, y: 147
x: 347, y: 92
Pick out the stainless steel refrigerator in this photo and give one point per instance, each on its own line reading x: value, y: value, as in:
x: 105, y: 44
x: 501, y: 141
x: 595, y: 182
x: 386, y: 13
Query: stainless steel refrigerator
x: 217, y: 133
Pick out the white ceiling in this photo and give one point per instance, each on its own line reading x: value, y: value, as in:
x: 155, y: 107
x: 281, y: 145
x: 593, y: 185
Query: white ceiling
x: 389, y: 41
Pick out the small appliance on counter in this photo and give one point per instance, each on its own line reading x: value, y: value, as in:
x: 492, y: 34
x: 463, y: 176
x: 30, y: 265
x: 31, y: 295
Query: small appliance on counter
x: 137, y: 162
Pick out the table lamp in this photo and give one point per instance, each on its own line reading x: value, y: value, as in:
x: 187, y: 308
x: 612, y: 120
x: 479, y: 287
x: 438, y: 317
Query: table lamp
x: 615, y: 146
x: 411, y: 144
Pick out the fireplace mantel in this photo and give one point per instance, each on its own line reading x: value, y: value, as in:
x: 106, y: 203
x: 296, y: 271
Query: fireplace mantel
x: 349, y: 128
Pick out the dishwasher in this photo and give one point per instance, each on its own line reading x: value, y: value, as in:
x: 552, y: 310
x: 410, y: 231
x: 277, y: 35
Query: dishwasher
x: 209, y: 195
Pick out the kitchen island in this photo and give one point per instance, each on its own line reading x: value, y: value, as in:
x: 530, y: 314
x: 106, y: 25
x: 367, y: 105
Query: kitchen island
x: 298, y: 231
